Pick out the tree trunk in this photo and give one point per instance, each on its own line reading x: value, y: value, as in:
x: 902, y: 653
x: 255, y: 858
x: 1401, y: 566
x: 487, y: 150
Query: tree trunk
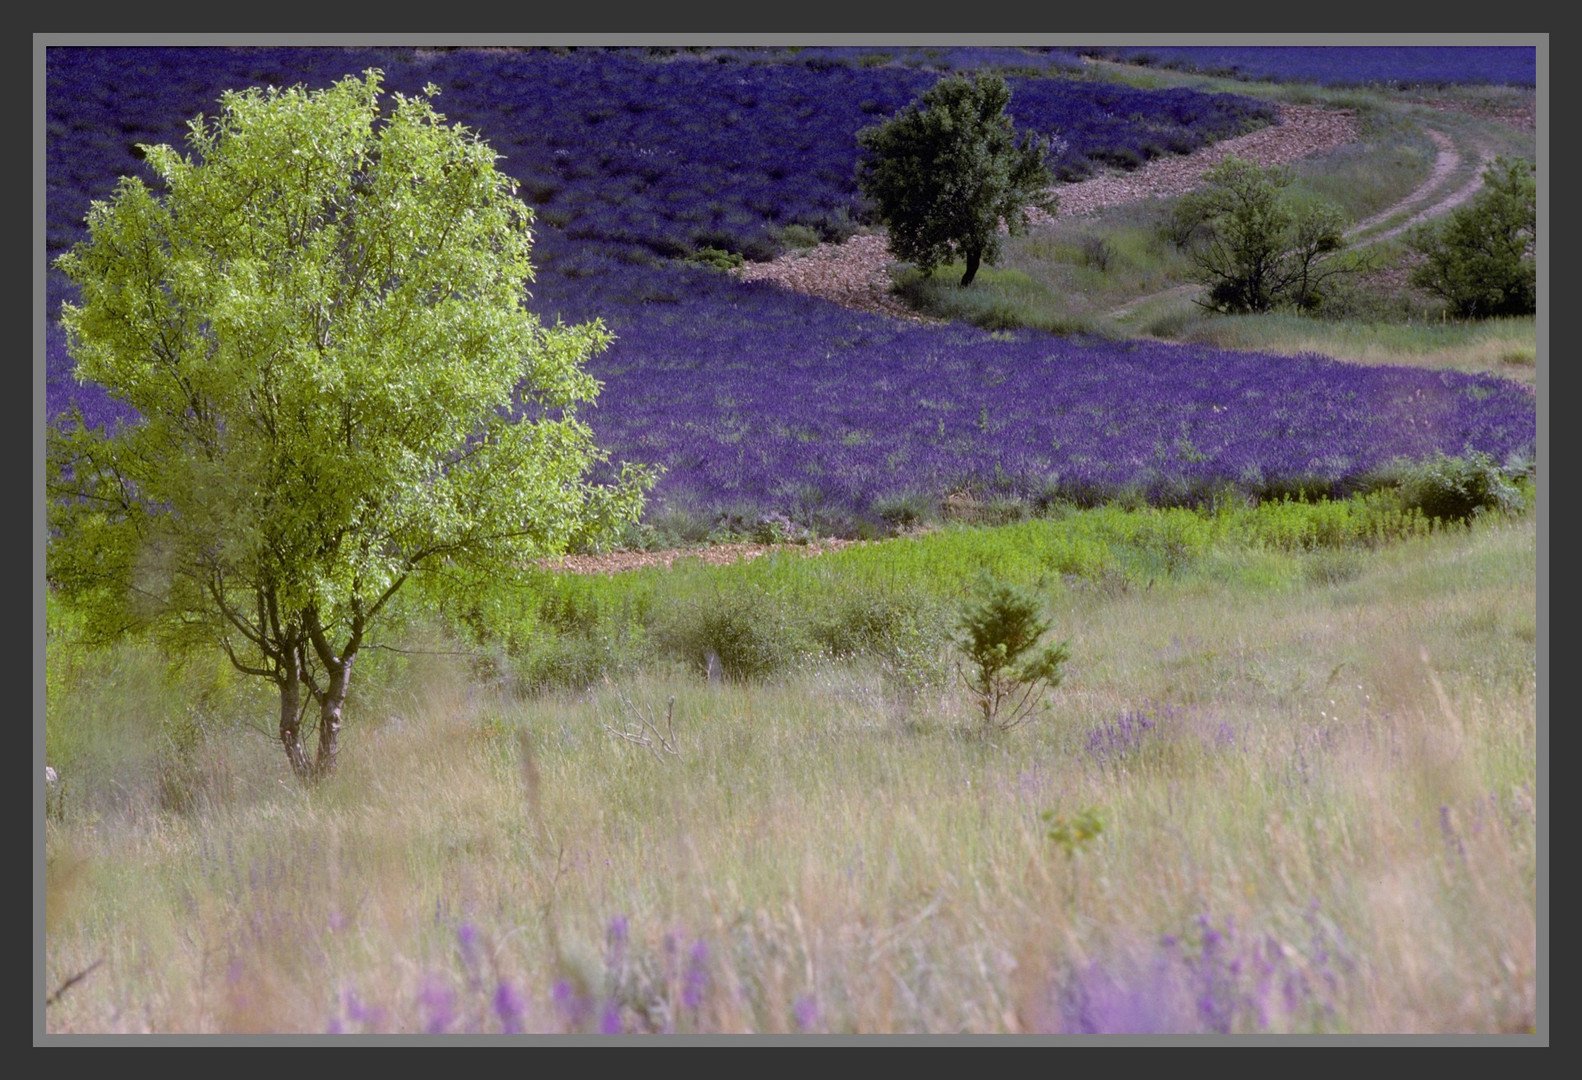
x: 290, y: 714
x: 330, y: 718
x: 974, y: 255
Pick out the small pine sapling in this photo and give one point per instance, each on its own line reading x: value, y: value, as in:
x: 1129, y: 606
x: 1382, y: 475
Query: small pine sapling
x: 1008, y: 671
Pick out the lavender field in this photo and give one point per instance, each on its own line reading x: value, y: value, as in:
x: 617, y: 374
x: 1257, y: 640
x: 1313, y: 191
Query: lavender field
x: 759, y: 402
x: 720, y: 787
x: 1345, y: 65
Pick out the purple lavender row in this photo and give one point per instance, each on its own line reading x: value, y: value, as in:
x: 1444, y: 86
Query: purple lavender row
x: 608, y: 144
x: 1349, y: 65
x: 797, y: 406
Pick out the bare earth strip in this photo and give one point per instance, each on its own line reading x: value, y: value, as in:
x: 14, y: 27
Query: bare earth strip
x: 713, y: 555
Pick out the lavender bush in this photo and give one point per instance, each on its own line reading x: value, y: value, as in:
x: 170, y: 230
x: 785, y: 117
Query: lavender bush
x: 1213, y: 980
x: 636, y: 992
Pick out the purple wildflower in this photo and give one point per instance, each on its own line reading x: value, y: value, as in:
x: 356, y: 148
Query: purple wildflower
x: 610, y: 1019
x: 615, y: 938
x: 366, y: 1015
x: 509, y: 1007
x: 1123, y: 999
x: 574, y: 1007
x: 1120, y: 738
x: 1447, y: 829
x: 467, y: 942
x: 696, y: 980
x: 438, y: 1001
x: 807, y: 1012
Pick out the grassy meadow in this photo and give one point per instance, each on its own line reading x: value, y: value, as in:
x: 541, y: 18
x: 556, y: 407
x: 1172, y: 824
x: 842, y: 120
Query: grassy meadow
x: 1313, y: 764
x: 1114, y: 274
x: 1289, y: 784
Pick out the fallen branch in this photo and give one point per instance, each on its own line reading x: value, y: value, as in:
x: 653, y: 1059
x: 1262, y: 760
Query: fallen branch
x: 69, y: 983
x: 648, y: 736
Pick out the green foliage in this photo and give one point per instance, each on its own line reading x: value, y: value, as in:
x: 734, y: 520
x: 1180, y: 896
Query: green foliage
x: 1460, y: 488
x: 318, y: 318
x: 736, y: 631
x: 1481, y: 261
x: 715, y: 257
x: 877, y: 619
x: 1007, y: 669
x: 796, y: 235
x: 1293, y: 525
x: 894, y: 602
x: 1073, y: 834
x: 1098, y: 252
x: 948, y: 169
x: 1000, y: 300
x: 1330, y: 567
x: 1252, y: 244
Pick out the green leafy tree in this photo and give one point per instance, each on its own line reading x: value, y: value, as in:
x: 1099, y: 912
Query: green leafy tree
x: 1481, y: 260
x: 1007, y: 668
x: 947, y: 170
x: 1254, y: 246
x: 319, y: 322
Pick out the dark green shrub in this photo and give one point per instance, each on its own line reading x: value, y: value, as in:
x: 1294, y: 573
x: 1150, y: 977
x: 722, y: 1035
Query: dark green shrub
x: 779, y: 529
x: 873, y: 619
x: 1254, y: 246
x: 743, y: 632
x: 907, y: 510
x: 949, y: 169
x: 1481, y: 261
x: 796, y: 236
x: 1098, y: 253
x: 575, y: 661
x: 1460, y: 488
x: 1333, y: 566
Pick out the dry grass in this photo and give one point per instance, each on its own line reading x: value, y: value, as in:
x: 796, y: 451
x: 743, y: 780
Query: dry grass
x: 1352, y: 824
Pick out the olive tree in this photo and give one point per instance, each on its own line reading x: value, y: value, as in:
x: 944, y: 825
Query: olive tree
x: 1481, y: 259
x: 317, y: 320
x: 1253, y: 245
x: 948, y: 170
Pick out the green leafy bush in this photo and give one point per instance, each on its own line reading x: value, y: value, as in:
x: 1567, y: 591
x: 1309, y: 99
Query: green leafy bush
x: 873, y: 618
x: 1481, y: 261
x: 1291, y: 525
x: 744, y: 632
x: 1460, y: 488
x: 1073, y: 833
x: 1255, y: 246
x: 717, y: 258
x: 796, y: 235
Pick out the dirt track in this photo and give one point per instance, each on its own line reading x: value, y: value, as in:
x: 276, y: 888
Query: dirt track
x: 855, y: 273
